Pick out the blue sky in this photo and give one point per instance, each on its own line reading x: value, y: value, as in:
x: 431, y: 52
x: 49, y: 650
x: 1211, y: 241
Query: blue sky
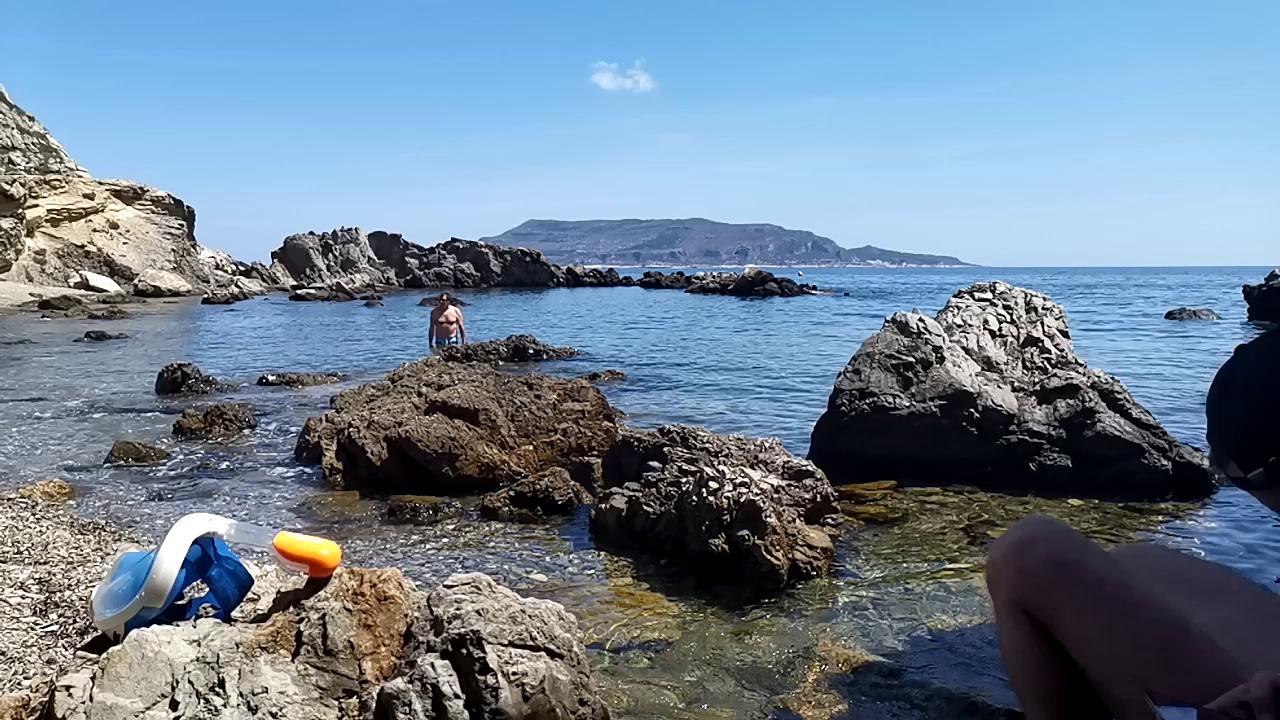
x: 1007, y: 133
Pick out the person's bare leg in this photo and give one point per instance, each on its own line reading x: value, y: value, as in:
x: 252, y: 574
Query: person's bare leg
x: 1243, y: 615
x: 1062, y: 601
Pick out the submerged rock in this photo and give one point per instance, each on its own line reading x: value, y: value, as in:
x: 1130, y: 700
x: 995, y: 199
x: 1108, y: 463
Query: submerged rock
x: 731, y: 506
x: 128, y: 452
x: 185, y: 378
x: 298, y: 379
x: 990, y: 393
x: 1264, y: 299
x: 100, y: 336
x: 369, y: 644
x: 548, y: 494
x: 514, y: 349
x: 221, y: 421
x: 1186, y: 313
x: 604, y: 376
x: 54, y: 491
x: 433, y: 427
x: 420, y: 509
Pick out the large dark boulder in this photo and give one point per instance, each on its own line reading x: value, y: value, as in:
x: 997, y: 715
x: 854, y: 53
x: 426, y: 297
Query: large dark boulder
x: 733, y: 507
x: 580, y: 276
x: 658, y: 280
x: 548, y: 494
x: 749, y: 283
x: 100, y: 336
x: 221, y: 421
x: 185, y: 378
x: 368, y: 644
x: 1264, y: 299
x: 990, y: 393
x: 514, y: 349
x: 438, y: 428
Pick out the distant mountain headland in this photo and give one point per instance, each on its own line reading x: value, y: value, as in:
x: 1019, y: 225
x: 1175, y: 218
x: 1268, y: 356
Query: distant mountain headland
x: 697, y: 242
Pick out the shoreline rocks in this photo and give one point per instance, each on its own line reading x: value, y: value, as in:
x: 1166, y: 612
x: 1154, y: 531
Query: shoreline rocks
x: 513, y: 349
x: 731, y: 506
x: 368, y: 644
x: 440, y: 428
x: 990, y: 393
x: 1264, y: 299
x: 1186, y: 313
x: 221, y: 421
x: 605, y: 376
x: 185, y: 378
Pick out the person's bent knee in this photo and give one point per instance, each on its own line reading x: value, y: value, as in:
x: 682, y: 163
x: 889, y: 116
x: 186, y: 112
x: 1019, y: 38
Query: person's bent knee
x: 1034, y: 556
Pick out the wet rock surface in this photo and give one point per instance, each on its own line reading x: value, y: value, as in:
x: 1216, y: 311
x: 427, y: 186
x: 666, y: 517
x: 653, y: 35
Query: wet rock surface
x: 186, y: 379
x: 1263, y: 299
x: 732, y: 506
x: 128, y: 452
x: 298, y: 379
x: 1186, y: 313
x: 439, y: 428
x: 513, y: 349
x: 420, y: 509
x: 993, y: 389
x: 552, y: 493
x: 579, y: 276
x: 101, y: 336
x: 368, y: 645
x: 221, y: 421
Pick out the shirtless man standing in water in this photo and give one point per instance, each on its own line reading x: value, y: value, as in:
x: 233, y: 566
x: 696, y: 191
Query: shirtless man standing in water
x: 447, y: 327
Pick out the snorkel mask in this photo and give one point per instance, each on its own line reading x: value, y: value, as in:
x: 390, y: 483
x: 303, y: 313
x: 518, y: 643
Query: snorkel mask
x: 158, y: 586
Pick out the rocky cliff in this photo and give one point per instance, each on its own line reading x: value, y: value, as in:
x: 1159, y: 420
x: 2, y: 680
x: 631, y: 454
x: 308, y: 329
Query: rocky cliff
x: 56, y: 220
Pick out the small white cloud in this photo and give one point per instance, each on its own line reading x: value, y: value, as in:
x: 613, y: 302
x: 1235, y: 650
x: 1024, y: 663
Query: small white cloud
x: 635, y: 79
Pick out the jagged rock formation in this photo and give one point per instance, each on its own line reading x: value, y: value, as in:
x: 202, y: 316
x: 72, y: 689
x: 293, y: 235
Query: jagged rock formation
x: 547, y: 494
x: 753, y: 282
x: 990, y: 393
x: 56, y: 220
x: 1264, y: 299
x: 346, y: 259
x: 370, y: 645
x: 186, y: 379
x: 438, y: 428
x: 731, y: 506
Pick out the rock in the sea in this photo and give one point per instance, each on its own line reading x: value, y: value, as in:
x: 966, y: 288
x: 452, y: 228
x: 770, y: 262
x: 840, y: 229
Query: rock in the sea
x: 439, y: 428
x: 658, y: 280
x: 298, y: 379
x: 548, y: 494
x: 94, y: 282
x: 161, y: 283
x: 342, y: 254
x: 514, y: 349
x: 752, y: 282
x: 110, y: 312
x: 220, y: 421
x: 186, y: 379
x: 420, y: 509
x: 603, y: 376
x: 463, y: 264
x: 367, y: 645
x: 61, y: 303
x: 1186, y: 313
x: 128, y: 452
x: 730, y: 506
x: 990, y: 393
x: 100, y: 336
x: 54, y: 490
x: 1264, y: 299
x: 579, y: 276
x: 373, y: 303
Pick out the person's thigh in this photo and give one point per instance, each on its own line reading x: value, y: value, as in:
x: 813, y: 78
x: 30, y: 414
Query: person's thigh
x: 1242, y: 615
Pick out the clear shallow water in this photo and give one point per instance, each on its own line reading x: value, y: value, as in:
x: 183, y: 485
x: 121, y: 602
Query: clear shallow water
x: 752, y: 367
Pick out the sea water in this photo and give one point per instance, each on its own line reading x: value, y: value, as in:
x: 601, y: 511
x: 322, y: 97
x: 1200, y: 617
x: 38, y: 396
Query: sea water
x: 663, y: 647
